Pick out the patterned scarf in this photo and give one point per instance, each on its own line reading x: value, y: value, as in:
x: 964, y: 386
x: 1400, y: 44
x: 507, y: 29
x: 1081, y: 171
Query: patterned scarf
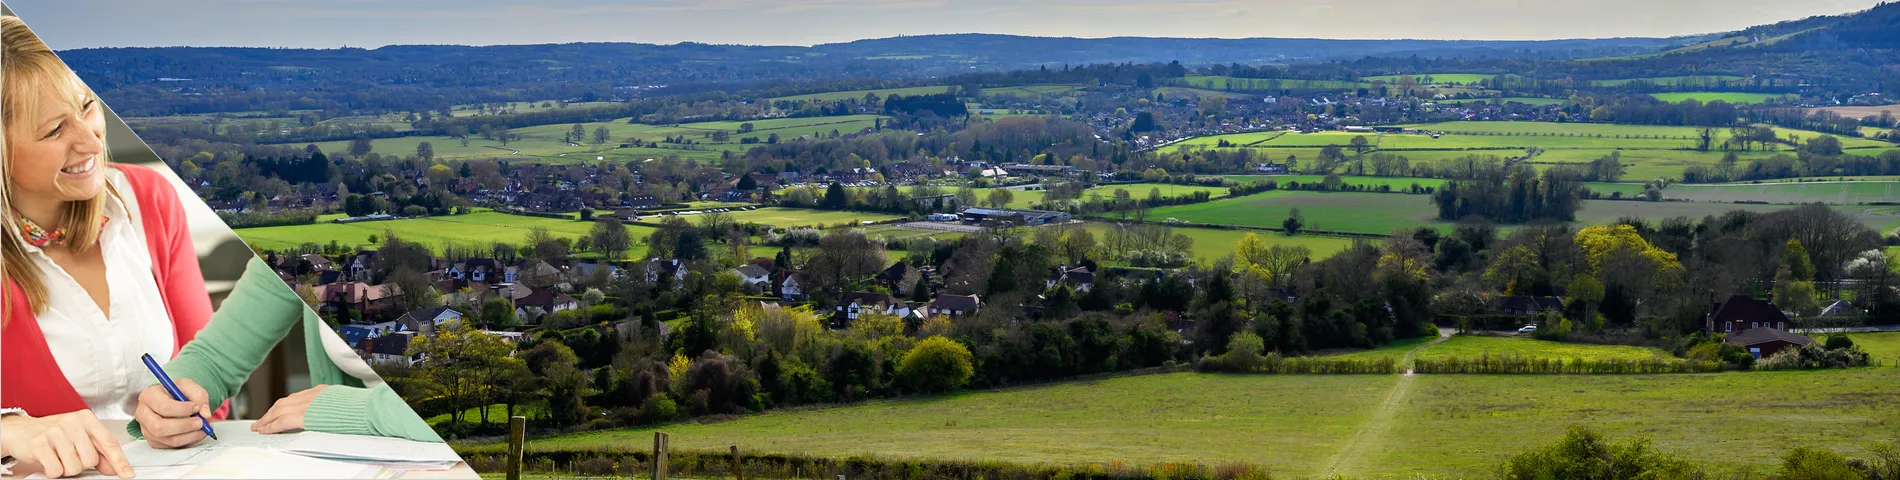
x: 40, y: 237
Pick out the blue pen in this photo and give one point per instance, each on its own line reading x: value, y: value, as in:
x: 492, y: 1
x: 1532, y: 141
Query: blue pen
x: 172, y: 388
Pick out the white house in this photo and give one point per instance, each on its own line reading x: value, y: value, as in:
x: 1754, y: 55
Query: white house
x: 754, y: 277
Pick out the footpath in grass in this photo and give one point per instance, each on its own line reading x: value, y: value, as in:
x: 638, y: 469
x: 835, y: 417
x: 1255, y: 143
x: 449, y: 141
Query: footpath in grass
x: 1144, y: 420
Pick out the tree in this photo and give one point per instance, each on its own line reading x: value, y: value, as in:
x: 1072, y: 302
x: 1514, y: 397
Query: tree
x: 1359, y: 144
x: 426, y: 151
x: 746, y: 183
x: 1293, y: 223
x: 577, y: 133
x: 360, y: 146
x: 457, y: 369
x: 937, y: 364
x: 999, y: 198
x: 543, y: 245
x: 610, y: 237
x: 836, y: 198
x: 413, y: 290
x: 600, y: 134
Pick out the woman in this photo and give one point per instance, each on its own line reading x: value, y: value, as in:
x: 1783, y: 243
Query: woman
x: 100, y: 268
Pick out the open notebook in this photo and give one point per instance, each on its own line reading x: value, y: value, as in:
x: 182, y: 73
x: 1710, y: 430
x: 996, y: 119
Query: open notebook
x: 241, y: 453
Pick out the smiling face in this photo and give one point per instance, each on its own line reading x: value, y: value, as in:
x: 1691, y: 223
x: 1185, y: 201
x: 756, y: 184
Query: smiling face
x: 56, y: 143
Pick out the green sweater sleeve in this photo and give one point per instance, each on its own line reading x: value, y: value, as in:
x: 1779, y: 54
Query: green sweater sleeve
x: 253, y: 318
x: 366, y: 411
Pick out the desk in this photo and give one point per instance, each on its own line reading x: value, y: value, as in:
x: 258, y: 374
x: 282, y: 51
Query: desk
x: 460, y: 470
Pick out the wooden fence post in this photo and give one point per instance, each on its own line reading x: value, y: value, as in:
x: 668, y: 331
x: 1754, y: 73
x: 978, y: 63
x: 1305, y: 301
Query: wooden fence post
x: 517, y: 439
x: 738, y: 468
x: 659, y: 456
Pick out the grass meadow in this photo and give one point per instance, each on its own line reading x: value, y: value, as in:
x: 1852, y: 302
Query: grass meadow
x: 544, y: 142
x: 1364, y: 426
x: 1706, y: 97
x: 1381, y: 213
x: 1804, y: 192
x: 1471, y: 346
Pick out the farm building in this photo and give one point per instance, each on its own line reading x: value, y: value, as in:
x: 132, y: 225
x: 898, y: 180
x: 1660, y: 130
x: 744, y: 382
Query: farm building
x: 1527, y: 305
x: 1741, y: 313
x: 990, y: 216
x: 1765, y: 341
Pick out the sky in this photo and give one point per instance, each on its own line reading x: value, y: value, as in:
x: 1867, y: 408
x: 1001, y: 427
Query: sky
x: 69, y: 24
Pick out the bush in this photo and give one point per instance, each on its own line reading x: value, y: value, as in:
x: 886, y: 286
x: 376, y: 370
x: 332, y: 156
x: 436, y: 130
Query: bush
x: 1837, y: 342
x: 1487, y: 363
x: 1804, y: 463
x: 937, y: 364
x: 1814, y: 356
x: 1584, y: 454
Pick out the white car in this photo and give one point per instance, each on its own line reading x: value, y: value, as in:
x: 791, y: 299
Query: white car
x: 1527, y: 329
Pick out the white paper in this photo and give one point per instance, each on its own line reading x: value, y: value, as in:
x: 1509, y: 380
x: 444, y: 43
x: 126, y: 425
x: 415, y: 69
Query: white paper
x: 234, y: 434
x: 254, y: 462
x: 369, y: 448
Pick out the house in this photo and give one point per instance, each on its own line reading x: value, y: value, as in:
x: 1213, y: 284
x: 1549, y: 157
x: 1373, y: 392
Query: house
x: 513, y: 292
x: 655, y: 268
x: 863, y: 302
x: 1840, y: 309
x: 356, y: 334
x: 426, y: 320
x: 474, y: 269
x: 788, y: 288
x: 358, y: 296
x: 544, y: 301
x: 535, y: 272
x: 362, y: 265
x: 1741, y: 313
x: 642, y: 202
x: 899, y: 277
x: 1078, y: 278
x: 1526, y: 305
x: 1765, y: 341
x: 393, y: 348
x: 953, y: 305
x: 753, y: 277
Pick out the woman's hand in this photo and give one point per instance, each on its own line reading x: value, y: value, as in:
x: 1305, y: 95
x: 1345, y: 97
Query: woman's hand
x: 287, y: 413
x: 168, y: 423
x: 63, y: 445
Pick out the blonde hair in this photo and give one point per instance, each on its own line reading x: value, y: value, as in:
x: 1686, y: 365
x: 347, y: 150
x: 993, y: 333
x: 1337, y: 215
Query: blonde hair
x: 27, y: 68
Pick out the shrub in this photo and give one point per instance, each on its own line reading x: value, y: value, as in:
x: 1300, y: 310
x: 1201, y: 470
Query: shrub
x: 937, y: 364
x: 1487, y: 363
x: 1837, y: 342
x: 1813, y: 356
x: 1804, y: 463
x: 1584, y: 454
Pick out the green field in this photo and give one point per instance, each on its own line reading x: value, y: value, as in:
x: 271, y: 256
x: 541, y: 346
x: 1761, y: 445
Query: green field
x: 1677, y: 81
x: 1211, y: 82
x: 1706, y: 97
x: 478, y: 228
x: 1883, y: 347
x: 1804, y: 192
x: 1211, y: 243
x: 545, y: 141
x: 1466, y: 346
x: 1017, y: 90
x: 1364, y: 426
x: 1524, y: 100
x: 1382, y: 213
x: 1378, y: 213
x: 1434, y: 78
x: 798, y: 217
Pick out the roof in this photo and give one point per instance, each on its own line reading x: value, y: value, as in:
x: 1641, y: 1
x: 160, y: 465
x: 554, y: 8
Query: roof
x: 546, y: 297
x: 1530, y: 303
x: 897, y: 271
x: 393, y: 344
x: 752, y: 271
x: 1761, y: 335
x: 1746, y: 308
x: 430, y: 313
x: 956, y: 302
x: 870, y: 298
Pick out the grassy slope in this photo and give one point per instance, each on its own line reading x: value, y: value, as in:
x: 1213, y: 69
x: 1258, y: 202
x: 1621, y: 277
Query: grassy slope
x: 1473, y: 346
x: 1445, y: 425
x: 469, y: 229
x: 1138, y: 420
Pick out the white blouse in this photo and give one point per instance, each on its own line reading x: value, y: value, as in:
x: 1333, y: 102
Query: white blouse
x: 99, y: 353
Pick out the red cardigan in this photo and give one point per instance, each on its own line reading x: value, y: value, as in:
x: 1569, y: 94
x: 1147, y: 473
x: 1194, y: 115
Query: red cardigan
x: 29, y: 377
